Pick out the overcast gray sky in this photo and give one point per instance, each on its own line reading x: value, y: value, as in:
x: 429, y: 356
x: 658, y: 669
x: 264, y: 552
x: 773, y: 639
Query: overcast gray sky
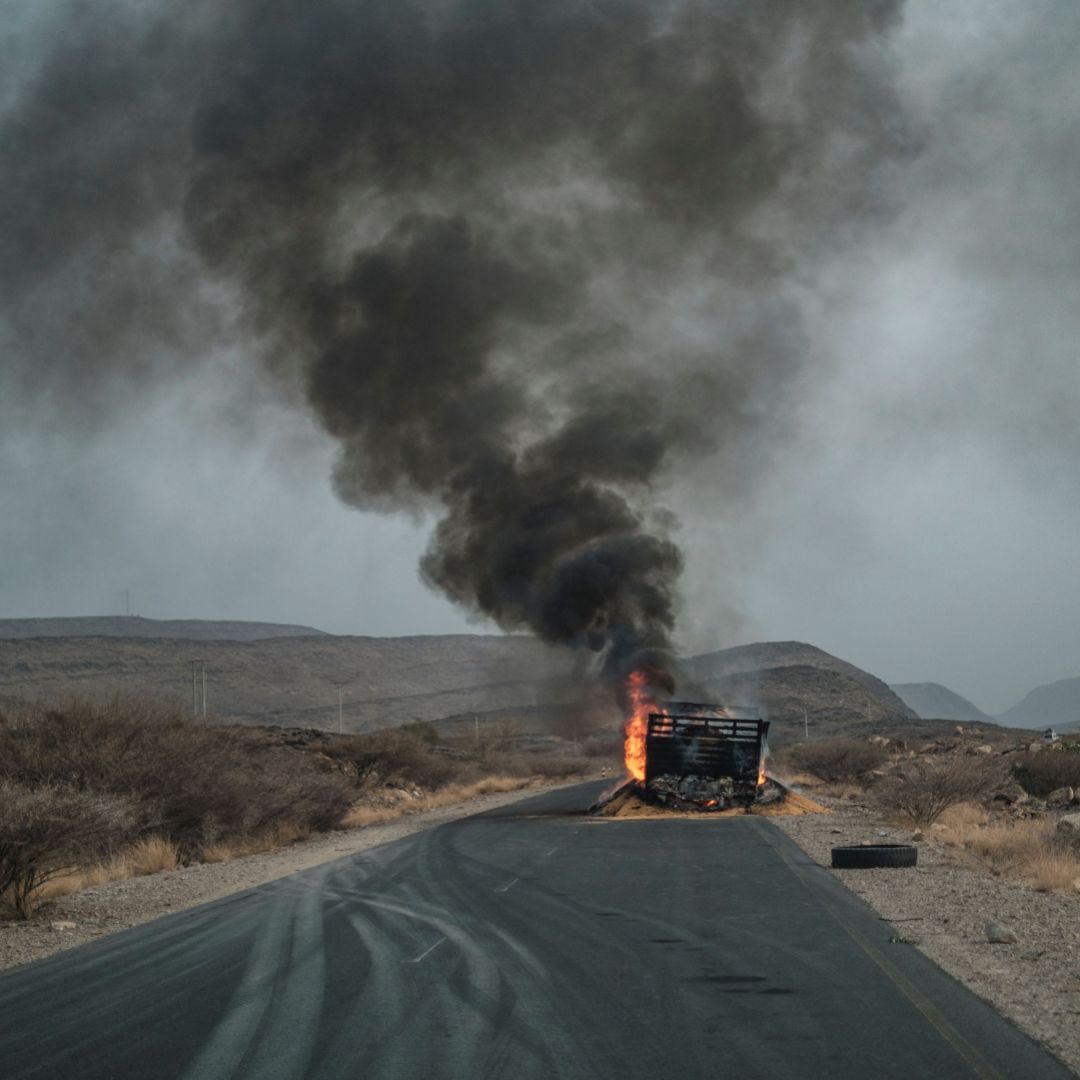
x: 920, y: 518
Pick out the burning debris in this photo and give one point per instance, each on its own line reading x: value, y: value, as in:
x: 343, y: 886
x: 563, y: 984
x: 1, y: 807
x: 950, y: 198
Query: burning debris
x: 692, y: 757
x: 700, y: 757
x: 777, y: 800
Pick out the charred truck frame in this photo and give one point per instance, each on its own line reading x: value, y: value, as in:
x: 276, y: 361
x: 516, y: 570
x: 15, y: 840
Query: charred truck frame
x: 700, y: 757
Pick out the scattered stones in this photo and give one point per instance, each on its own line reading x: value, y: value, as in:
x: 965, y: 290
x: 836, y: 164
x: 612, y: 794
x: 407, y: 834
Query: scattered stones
x: 1031, y: 954
x: 997, y: 934
x: 917, y: 835
x: 1061, y: 796
x: 1070, y: 825
x: 986, y: 748
x: 62, y: 924
x: 878, y: 740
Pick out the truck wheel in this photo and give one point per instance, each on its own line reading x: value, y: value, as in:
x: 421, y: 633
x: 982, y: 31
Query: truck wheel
x: 870, y: 856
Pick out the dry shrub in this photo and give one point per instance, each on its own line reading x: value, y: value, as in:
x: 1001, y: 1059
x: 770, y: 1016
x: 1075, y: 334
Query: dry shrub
x: 47, y: 832
x: 1047, y: 770
x: 399, y: 756
x: 927, y: 789
x: 838, y: 761
x: 192, y: 784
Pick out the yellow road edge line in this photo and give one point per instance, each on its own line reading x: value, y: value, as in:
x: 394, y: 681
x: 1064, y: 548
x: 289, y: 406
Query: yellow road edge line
x: 978, y: 1064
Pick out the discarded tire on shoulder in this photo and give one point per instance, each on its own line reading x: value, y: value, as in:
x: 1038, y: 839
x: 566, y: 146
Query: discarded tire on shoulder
x: 872, y: 856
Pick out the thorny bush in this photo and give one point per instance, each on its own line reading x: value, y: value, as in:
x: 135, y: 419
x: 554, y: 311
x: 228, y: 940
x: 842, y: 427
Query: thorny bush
x: 837, y: 761
x: 191, y: 783
x: 49, y: 830
x: 1044, y: 771
x: 925, y: 790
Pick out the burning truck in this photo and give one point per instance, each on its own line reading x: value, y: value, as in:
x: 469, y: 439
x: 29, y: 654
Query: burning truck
x: 691, y: 756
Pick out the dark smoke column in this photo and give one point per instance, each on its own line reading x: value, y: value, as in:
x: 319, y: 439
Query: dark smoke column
x: 490, y: 237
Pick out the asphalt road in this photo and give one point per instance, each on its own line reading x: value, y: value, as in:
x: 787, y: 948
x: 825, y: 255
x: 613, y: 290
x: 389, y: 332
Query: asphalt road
x: 527, y: 942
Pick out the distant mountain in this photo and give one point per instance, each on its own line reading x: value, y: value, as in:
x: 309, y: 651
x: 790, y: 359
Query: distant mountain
x: 785, y: 677
x: 932, y: 701
x: 134, y: 626
x: 1056, y: 704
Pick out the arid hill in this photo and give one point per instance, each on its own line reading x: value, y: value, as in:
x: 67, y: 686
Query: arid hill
x: 784, y: 678
x: 135, y: 626
x: 292, y: 681
x: 932, y: 701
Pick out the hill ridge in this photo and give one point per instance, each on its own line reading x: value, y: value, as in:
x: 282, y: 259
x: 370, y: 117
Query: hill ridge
x: 935, y: 701
x: 142, y: 628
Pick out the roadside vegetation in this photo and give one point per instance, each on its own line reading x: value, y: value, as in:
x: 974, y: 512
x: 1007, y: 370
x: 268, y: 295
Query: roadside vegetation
x: 1007, y: 807
x: 836, y: 761
x: 91, y: 793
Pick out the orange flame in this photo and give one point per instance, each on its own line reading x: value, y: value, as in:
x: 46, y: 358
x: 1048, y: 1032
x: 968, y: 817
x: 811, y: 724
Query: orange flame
x: 639, y: 706
x: 761, y: 771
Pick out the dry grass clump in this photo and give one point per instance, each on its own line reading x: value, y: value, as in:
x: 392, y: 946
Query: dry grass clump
x: 149, y: 855
x: 1028, y: 850
x: 238, y: 847
x: 1053, y: 871
x: 837, y: 761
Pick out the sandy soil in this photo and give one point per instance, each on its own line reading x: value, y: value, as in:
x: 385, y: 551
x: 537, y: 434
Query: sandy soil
x: 941, y: 907
x: 81, y: 917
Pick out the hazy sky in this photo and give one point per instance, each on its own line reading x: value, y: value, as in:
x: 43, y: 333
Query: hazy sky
x: 920, y: 517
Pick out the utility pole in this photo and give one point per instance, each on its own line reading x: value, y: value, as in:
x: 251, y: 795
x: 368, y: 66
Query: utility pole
x: 805, y: 725
x: 198, y: 673
x: 340, y: 684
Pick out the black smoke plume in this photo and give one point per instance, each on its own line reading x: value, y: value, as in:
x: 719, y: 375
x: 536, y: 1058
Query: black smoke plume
x: 521, y: 258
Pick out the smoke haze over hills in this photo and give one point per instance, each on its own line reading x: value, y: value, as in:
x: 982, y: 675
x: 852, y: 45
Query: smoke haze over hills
x: 787, y: 277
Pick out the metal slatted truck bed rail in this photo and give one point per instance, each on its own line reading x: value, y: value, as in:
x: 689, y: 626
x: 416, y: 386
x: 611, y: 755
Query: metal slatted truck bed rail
x: 697, y: 757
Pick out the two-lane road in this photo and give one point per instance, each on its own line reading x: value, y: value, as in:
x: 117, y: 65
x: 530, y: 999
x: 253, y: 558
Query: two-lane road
x: 527, y: 942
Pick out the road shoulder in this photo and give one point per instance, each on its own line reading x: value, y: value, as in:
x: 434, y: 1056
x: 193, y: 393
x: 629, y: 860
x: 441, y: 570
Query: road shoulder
x: 941, y: 907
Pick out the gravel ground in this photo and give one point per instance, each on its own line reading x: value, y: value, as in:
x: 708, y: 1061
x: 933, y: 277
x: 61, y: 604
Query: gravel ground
x: 942, y: 906
x: 81, y: 917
